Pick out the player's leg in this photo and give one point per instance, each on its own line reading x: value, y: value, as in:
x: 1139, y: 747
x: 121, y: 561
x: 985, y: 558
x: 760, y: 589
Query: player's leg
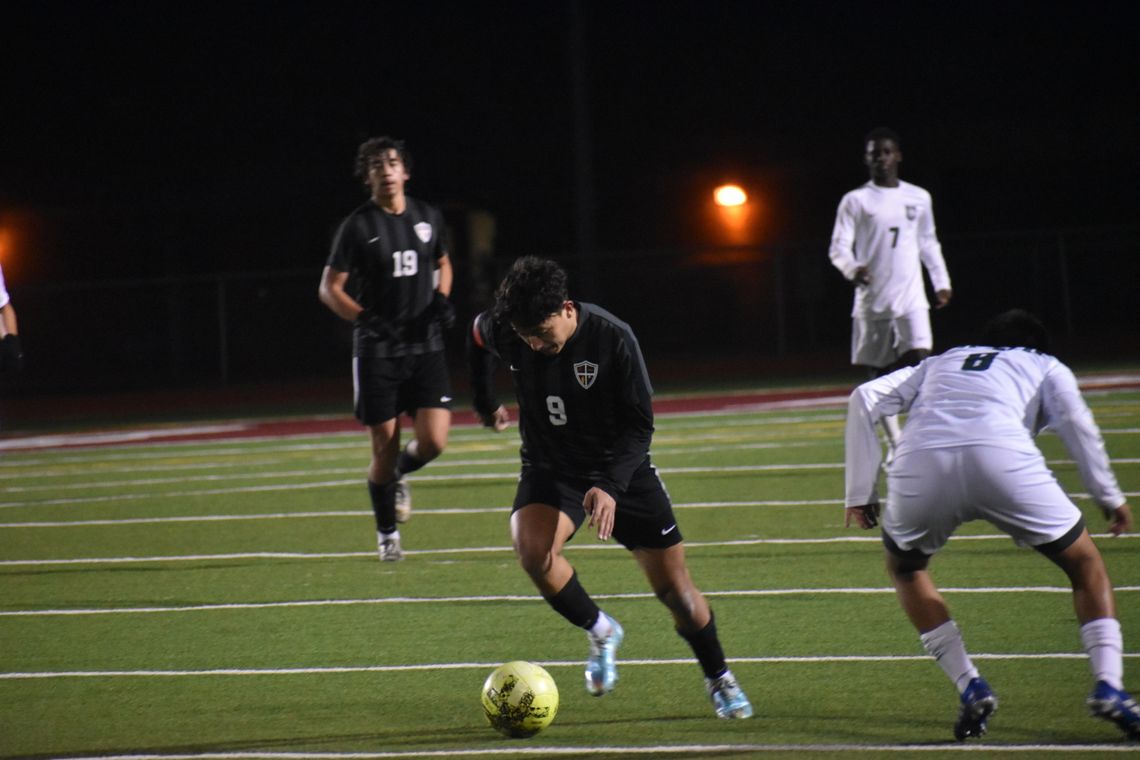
x: 375, y: 383
x: 428, y: 394
x: 914, y: 339
x: 929, y: 614
x: 923, y: 514
x: 694, y: 621
x: 385, y: 438
x: 539, y: 531
x: 1095, y: 605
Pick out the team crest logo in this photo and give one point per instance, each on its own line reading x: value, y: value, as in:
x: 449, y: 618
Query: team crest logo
x: 911, y: 213
x: 586, y: 373
x: 423, y: 231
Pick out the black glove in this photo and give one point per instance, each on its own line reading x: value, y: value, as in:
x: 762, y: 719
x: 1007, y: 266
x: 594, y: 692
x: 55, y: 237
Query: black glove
x: 374, y: 323
x: 11, y: 354
x: 442, y: 310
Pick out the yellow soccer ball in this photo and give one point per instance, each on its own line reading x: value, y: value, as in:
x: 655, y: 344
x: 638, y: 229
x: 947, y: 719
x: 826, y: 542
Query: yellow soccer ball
x: 519, y: 699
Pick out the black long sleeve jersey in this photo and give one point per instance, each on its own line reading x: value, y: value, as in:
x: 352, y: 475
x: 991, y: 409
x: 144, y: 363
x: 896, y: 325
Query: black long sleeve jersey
x: 391, y: 260
x: 585, y: 412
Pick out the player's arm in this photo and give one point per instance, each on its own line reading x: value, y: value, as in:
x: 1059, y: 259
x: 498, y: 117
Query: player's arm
x: 482, y: 361
x: 930, y: 252
x: 446, y: 275
x: 870, y: 402
x: 333, y: 295
x: 842, y: 250
x: 11, y: 352
x: 636, y: 415
x: 1067, y: 414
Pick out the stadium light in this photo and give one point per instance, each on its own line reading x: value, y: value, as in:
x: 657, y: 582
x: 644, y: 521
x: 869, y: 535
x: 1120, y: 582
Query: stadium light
x: 730, y: 195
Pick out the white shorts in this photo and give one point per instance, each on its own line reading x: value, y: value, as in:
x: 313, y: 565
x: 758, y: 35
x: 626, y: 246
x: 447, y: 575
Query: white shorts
x: 933, y: 491
x: 879, y: 343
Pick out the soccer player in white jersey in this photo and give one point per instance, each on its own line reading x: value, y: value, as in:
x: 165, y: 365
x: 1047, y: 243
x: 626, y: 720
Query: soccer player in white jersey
x: 884, y: 234
x: 967, y: 453
x: 11, y: 354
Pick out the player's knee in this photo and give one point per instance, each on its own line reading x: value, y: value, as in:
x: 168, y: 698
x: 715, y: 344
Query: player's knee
x: 906, y: 566
x: 682, y: 602
x: 430, y: 448
x: 535, y: 560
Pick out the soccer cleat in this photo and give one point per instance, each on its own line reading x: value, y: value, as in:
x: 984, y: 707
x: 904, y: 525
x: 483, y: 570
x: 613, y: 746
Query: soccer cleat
x: 727, y: 697
x: 1117, y: 706
x: 601, y: 668
x: 390, y: 550
x: 403, y: 501
x: 978, y: 704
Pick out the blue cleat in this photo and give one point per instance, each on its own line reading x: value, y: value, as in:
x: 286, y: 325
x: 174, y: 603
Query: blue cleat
x: 727, y: 697
x: 1117, y: 706
x: 978, y: 704
x: 601, y: 668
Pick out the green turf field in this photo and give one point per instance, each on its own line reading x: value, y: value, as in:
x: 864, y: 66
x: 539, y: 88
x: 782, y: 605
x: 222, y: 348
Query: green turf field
x: 224, y: 600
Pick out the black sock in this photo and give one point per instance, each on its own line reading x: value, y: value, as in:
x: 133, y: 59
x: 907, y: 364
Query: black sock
x: 383, y: 505
x: 706, y: 646
x: 573, y: 603
x: 406, y: 463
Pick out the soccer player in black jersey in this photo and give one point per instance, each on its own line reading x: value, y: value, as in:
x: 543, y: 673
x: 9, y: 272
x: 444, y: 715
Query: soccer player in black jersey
x: 389, y: 273
x: 586, y: 420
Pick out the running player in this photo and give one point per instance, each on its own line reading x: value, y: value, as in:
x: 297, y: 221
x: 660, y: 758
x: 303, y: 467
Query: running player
x: 586, y: 420
x: 967, y: 453
x: 389, y: 273
x: 884, y: 234
x: 11, y: 354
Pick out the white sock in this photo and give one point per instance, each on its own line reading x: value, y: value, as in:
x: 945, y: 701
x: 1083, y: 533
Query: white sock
x: 1104, y: 643
x: 393, y: 534
x: 602, y: 627
x: 945, y: 645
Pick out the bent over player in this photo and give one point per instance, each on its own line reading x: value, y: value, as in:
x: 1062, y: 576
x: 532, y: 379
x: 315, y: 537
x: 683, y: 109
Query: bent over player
x: 884, y: 234
x: 586, y: 420
x: 381, y: 275
x: 967, y: 453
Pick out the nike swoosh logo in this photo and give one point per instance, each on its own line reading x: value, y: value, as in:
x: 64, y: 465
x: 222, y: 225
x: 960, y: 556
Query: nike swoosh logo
x: 514, y: 368
x: 444, y: 399
x: 373, y: 240
x: 670, y: 529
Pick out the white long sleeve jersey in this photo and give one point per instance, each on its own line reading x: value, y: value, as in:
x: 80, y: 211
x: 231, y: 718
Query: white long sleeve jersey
x: 891, y: 232
x: 4, y: 297
x: 977, y: 395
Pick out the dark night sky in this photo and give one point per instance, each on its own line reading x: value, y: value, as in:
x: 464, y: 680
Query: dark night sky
x: 156, y: 137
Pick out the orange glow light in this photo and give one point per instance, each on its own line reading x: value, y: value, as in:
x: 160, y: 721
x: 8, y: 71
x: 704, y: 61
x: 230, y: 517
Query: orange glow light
x: 730, y: 195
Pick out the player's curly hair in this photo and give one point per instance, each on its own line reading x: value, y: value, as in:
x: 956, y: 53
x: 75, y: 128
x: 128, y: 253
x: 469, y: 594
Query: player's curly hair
x: 883, y: 133
x: 374, y: 146
x: 1016, y: 328
x: 532, y: 290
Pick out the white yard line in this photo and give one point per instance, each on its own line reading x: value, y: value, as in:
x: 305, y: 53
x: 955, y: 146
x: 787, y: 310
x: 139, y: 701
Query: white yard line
x: 473, y: 550
x: 497, y: 599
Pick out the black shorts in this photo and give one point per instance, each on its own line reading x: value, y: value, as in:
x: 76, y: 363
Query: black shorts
x: 644, y: 518
x: 382, y: 388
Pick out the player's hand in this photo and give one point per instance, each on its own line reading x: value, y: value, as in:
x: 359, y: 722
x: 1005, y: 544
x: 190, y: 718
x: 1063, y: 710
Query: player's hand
x: 11, y: 353
x: 500, y: 419
x: 602, y: 509
x: 442, y: 310
x: 865, y: 516
x: 861, y: 276
x: 1120, y: 521
x: 942, y: 298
